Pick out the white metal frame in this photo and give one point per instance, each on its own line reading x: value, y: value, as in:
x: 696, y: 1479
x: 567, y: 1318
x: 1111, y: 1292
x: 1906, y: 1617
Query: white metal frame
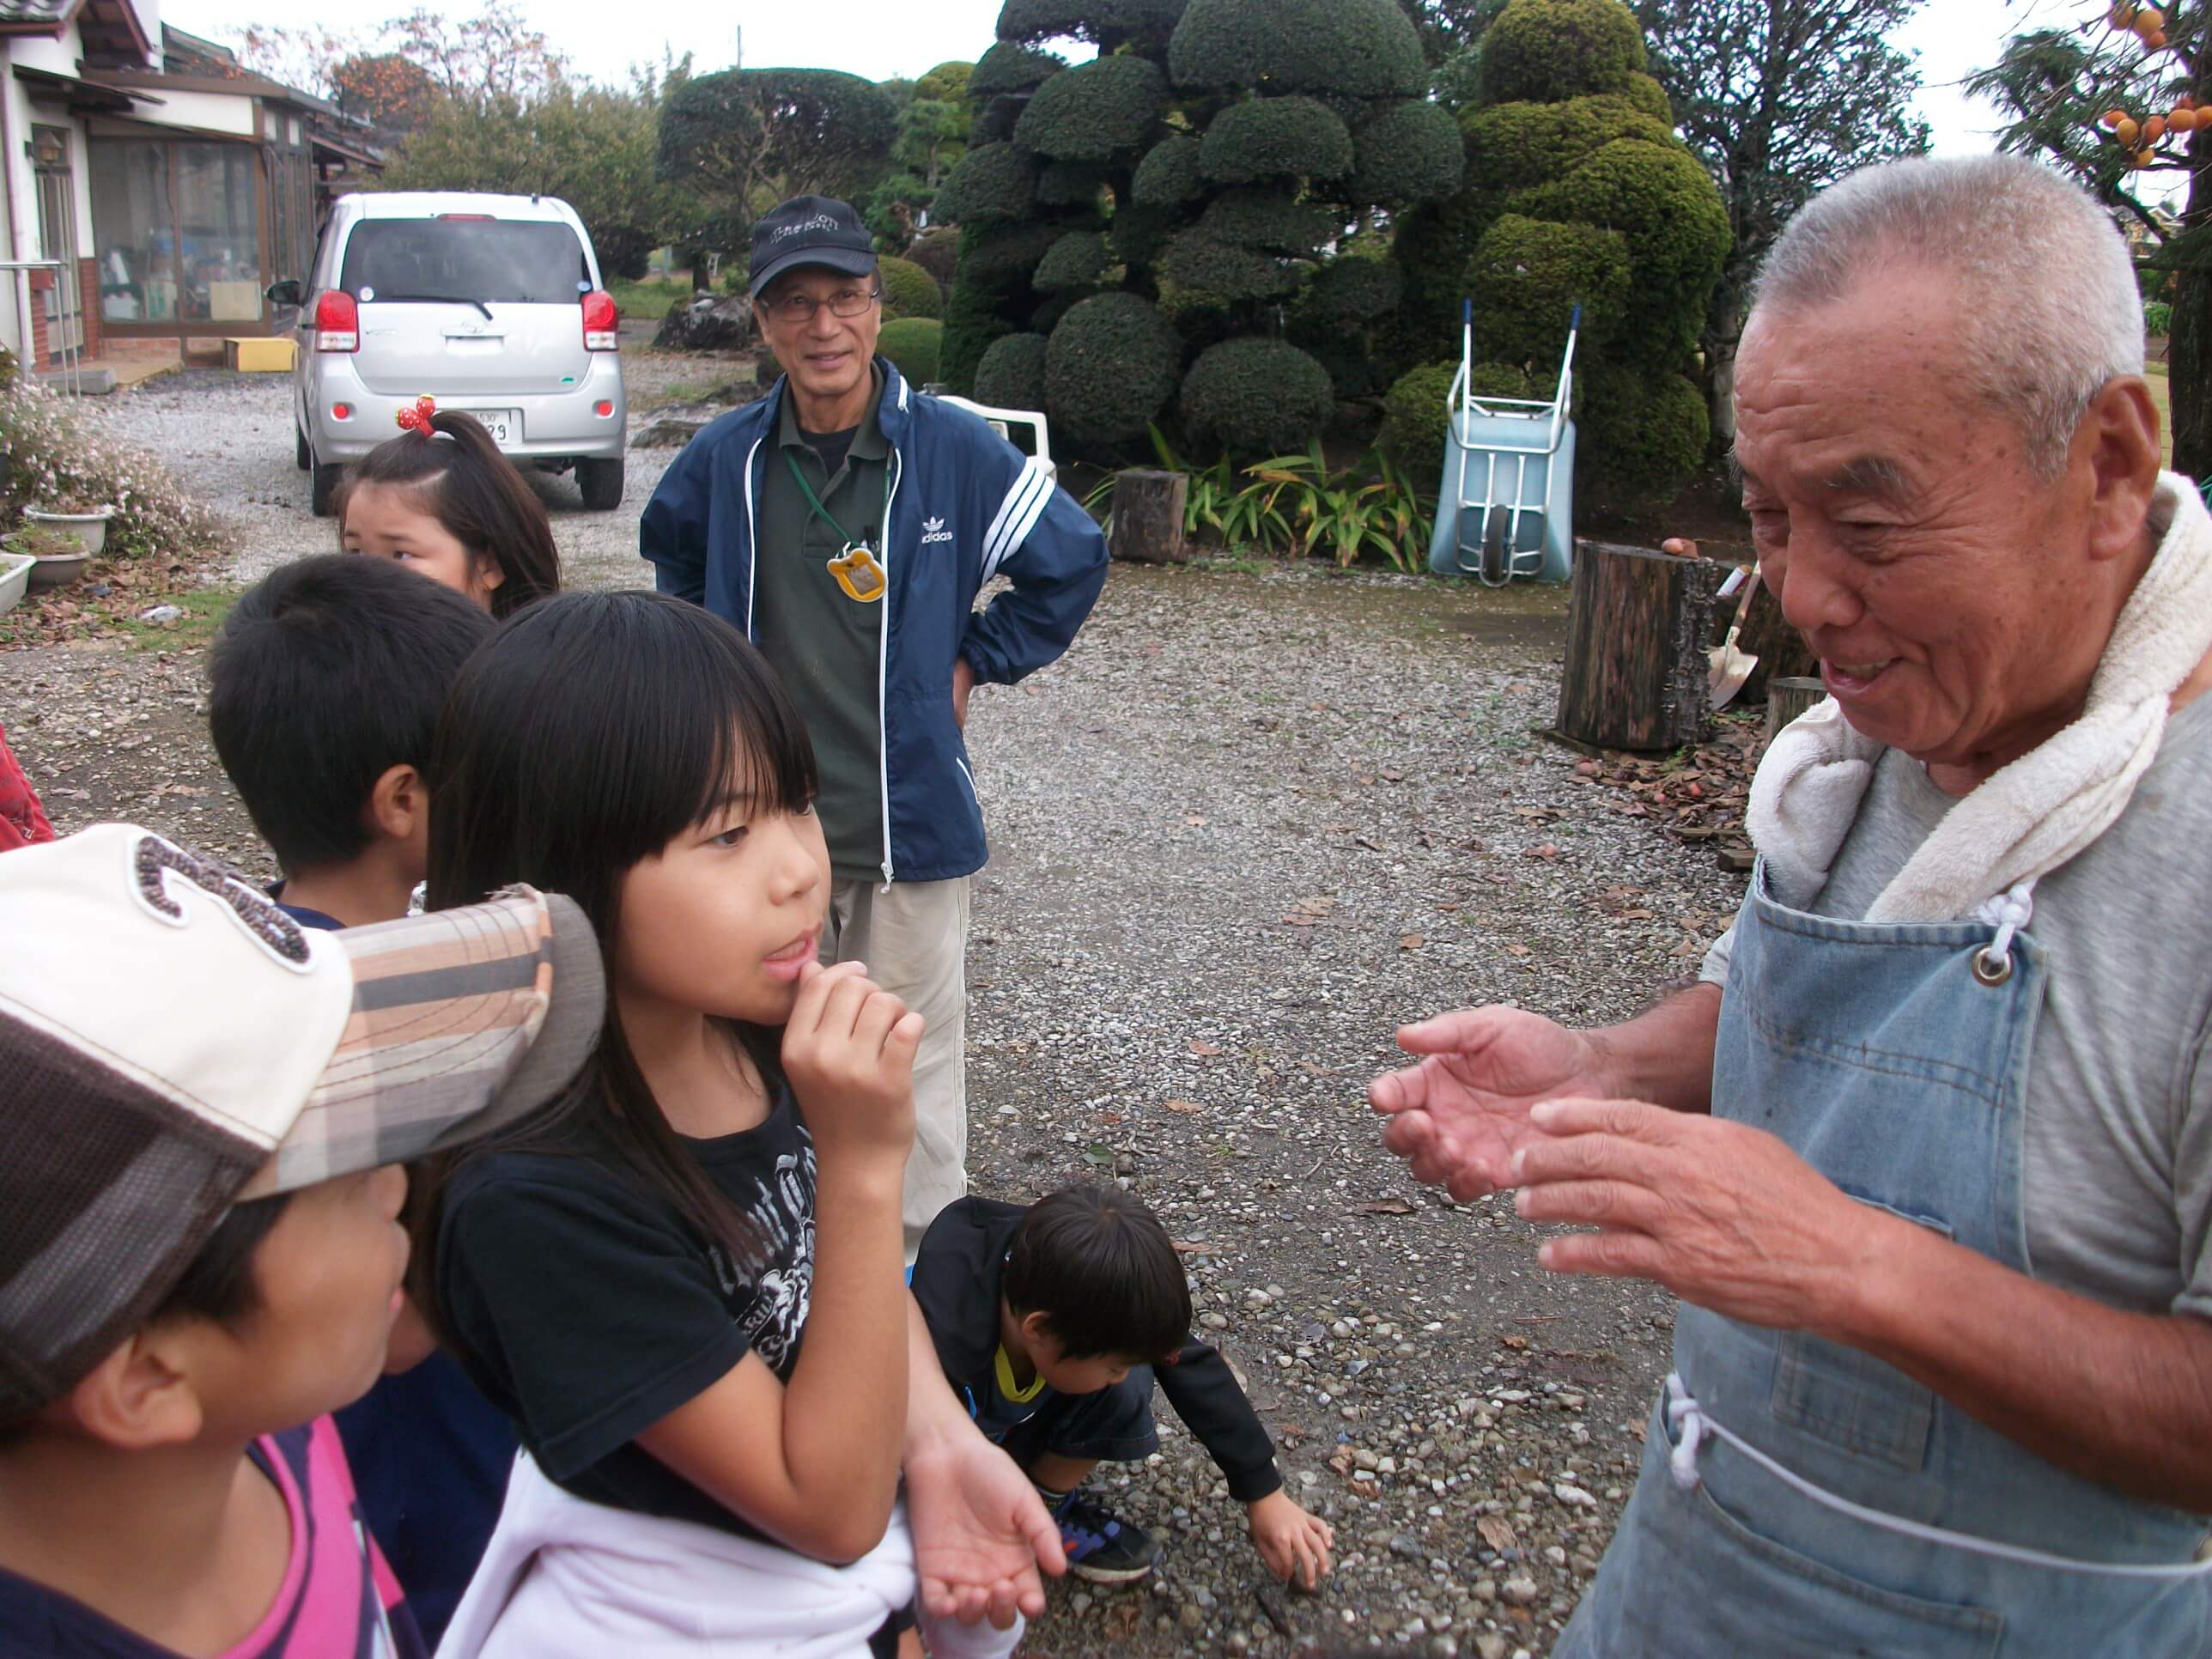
x: 1000, y: 419
x: 1461, y: 400
x: 71, y: 353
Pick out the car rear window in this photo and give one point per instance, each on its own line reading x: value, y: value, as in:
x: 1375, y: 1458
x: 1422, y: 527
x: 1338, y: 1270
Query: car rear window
x: 520, y: 261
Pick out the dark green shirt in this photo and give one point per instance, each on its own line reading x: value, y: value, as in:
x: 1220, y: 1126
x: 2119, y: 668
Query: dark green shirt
x: 825, y: 645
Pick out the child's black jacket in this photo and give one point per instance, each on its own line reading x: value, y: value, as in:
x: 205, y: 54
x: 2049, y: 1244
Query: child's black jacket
x: 956, y: 1280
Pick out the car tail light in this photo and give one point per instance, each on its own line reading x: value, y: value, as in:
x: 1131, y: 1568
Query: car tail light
x: 341, y: 411
x: 604, y: 408
x: 337, y: 322
x: 601, y: 321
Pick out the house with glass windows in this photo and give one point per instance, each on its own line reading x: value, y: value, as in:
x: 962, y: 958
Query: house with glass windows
x: 154, y: 187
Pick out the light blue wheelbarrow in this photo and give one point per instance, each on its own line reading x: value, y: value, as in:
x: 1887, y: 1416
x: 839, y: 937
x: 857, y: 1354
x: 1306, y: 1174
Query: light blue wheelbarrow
x: 1505, y: 508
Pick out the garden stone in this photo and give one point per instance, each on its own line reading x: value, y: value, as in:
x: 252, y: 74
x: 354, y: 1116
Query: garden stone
x: 718, y: 322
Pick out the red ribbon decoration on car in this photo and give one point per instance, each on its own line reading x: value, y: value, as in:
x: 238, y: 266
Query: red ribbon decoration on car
x: 417, y: 419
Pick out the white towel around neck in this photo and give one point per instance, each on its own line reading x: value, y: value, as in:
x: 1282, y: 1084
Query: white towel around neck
x: 2033, y: 815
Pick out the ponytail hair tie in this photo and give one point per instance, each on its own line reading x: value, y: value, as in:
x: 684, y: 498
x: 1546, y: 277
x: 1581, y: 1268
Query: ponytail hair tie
x: 418, y: 418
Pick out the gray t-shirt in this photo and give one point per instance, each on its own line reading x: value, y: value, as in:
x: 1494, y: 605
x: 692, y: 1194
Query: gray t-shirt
x: 2118, y: 1154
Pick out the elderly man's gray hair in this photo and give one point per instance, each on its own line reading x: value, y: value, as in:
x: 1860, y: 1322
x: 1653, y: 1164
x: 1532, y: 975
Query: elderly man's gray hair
x: 2047, y: 309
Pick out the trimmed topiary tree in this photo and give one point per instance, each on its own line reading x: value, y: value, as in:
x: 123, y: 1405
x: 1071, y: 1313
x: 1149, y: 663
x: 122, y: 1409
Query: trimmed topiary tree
x: 1170, y: 175
x: 1337, y: 46
x: 1415, y: 409
x: 993, y: 184
x: 1095, y: 109
x: 1256, y: 396
x: 914, y: 343
x: 1110, y: 368
x: 909, y: 290
x: 1011, y: 374
x: 1576, y: 191
x: 1407, y: 152
x: 1275, y: 138
x: 1077, y: 259
x: 1106, y: 23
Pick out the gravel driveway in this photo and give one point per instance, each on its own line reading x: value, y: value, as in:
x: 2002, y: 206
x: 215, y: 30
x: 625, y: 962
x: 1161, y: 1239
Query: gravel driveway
x: 1255, y: 820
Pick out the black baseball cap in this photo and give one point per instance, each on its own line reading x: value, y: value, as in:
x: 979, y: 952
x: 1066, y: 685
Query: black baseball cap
x: 810, y: 230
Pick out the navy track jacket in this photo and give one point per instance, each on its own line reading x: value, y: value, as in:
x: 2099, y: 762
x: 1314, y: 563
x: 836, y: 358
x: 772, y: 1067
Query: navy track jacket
x: 965, y: 505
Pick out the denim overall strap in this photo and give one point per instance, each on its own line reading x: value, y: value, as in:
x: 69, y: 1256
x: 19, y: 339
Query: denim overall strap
x: 1895, y: 1060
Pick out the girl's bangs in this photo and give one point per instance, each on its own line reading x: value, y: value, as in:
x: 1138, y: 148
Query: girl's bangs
x: 762, y: 752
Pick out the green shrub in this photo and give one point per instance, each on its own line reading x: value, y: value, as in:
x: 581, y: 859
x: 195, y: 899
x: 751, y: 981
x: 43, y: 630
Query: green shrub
x: 909, y: 290
x: 1077, y: 259
x: 1650, y: 98
x: 1009, y: 67
x: 1513, y: 147
x: 2158, y: 317
x: 1638, y: 440
x: 973, y: 322
x: 947, y: 81
x: 1070, y: 184
x: 1407, y: 152
x: 1170, y: 175
x: 1003, y: 255
x: 1109, y: 368
x: 1356, y: 48
x: 937, y: 251
x: 993, y: 184
x: 1256, y: 396
x: 1529, y: 275
x: 915, y: 344
x: 1349, y: 292
x: 1416, y: 411
x: 1011, y: 374
x: 1197, y: 262
x: 1104, y: 22
x: 1549, y: 50
x: 1268, y: 219
x: 1275, y: 138
x: 1138, y: 232
x: 1663, y: 203
x: 1089, y: 112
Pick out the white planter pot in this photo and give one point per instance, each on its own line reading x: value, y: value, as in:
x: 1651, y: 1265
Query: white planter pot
x: 15, y: 577
x: 90, y: 528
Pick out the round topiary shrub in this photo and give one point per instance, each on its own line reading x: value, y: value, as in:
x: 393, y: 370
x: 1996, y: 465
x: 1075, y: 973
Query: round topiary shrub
x: 1417, y: 409
x: 1196, y: 262
x: 1639, y: 440
x: 937, y: 251
x: 1256, y: 396
x: 1076, y: 260
x: 1511, y: 147
x: 973, y: 321
x: 1138, y: 232
x: 1549, y: 50
x: 993, y: 184
x: 1109, y: 368
x: 1009, y: 67
x: 1356, y: 48
x: 914, y: 343
x: 1527, y: 276
x: 1268, y: 220
x: 909, y: 290
x: 1648, y: 96
x: 1407, y: 152
x: 1070, y: 184
x: 1104, y: 22
x: 1170, y: 175
x: 1275, y: 138
x: 1089, y: 112
x: 1349, y: 292
x: 1002, y: 254
x: 1011, y: 374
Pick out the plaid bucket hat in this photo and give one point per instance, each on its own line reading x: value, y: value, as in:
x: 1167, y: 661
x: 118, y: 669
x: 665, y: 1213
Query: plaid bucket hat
x: 172, y: 1044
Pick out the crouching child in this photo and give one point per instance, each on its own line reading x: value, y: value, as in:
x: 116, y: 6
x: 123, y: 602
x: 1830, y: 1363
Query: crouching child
x: 1054, y: 1320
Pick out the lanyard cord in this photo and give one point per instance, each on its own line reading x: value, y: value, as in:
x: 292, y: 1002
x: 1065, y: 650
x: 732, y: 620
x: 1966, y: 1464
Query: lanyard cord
x: 821, y: 512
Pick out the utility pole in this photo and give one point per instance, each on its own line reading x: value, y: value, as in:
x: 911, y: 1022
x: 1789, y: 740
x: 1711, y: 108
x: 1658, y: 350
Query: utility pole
x: 739, y: 62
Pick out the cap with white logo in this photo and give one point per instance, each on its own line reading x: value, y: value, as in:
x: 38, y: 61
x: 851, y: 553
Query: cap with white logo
x: 809, y: 230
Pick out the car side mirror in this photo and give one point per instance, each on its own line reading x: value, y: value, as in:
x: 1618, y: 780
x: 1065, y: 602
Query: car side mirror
x: 289, y: 292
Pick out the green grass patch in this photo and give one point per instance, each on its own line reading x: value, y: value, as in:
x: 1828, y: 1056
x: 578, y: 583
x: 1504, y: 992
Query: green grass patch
x: 651, y: 299
x: 205, y: 608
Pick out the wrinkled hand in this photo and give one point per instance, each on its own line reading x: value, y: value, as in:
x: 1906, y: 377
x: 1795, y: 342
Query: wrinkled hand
x: 1458, y: 1115
x: 1294, y: 1544
x: 963, y: 682
x: 849, y: 1051
x: 981, y: 1534
x: 1724, y: 1215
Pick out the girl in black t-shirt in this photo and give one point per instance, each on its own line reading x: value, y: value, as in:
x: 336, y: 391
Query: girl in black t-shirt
x: 684, y: 1280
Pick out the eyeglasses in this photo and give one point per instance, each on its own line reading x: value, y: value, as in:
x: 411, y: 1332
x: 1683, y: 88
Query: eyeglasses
x: 800, y: 308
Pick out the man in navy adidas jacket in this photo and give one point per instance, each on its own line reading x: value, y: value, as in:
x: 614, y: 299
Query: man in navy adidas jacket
x: 847, y: 523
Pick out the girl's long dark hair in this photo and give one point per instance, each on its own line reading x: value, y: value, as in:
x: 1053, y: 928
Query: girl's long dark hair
x: 579, y: 740
x: 484, y: 503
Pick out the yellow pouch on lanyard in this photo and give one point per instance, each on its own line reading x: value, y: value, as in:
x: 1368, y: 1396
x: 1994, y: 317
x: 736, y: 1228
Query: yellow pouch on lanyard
x: 858, y: 574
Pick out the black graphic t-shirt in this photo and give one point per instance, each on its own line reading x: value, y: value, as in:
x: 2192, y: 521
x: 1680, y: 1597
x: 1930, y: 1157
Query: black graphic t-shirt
x: 587, y: 1309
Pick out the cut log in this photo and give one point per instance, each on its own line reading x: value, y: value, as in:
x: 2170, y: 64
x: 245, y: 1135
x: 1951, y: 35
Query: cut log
x: 1635, y: 674
x: 1780, y: 648
x: 1148, y: 509
x: 1788, y: 696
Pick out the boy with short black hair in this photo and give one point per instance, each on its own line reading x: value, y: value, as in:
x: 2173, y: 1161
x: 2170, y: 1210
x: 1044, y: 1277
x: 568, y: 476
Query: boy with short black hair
x: 324, y: 689
x: 1054, y: 1320
x: 202, y: 1109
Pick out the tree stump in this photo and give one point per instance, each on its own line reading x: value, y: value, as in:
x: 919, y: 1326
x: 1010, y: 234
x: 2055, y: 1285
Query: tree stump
x: 1788, y: 696
x: 1635, y: 674
x: 1780, y: 648
x: 1148, y: 510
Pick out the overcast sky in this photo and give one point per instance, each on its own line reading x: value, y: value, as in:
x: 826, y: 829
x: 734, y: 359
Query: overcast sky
x: 883, y: 38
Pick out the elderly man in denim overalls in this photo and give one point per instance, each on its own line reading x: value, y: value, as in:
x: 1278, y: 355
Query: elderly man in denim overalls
x: 1927, y: 1156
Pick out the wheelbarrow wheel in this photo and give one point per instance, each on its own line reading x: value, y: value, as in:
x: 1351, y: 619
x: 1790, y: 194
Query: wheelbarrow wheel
x: 1497, y: 568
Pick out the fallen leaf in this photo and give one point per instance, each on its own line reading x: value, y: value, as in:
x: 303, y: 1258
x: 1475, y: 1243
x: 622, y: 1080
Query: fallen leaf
x: 1411, y: 941
x: 1099, y: 1155
x: 1497, y: 1533
x: 1516, y: 950
x: 1368, y: 844
x: 1518, y: 1344
x: 1341, y: 1461
x: 1386, y: 1206
x: 1108, y: 1120
x: 1194, y: 821
x: 1636, y: 1429
x: 1183, y: 1247
x: 1391, y: 774
x: 1121, y: 1622
x: 1187, y: 1108
x: 1203, y: 1049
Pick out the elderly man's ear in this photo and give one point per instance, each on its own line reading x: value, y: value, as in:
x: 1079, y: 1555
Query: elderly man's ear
x: 2118, y: 442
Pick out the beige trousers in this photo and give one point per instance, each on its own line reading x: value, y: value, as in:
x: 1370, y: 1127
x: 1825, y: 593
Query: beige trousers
x: 913, y: 936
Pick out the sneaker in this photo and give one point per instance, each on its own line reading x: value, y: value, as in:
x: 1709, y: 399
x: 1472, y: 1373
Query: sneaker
x: 1100, y: 1548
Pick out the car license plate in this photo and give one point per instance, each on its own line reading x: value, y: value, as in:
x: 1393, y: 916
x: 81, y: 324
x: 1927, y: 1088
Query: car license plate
x: 505, y: 425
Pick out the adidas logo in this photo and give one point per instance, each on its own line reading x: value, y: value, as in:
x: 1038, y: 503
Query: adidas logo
x: 933, y: 529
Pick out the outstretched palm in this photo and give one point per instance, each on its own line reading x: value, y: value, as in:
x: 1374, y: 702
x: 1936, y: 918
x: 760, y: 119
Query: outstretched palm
x: 980, y: 1534
x: 1459, y: 1115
